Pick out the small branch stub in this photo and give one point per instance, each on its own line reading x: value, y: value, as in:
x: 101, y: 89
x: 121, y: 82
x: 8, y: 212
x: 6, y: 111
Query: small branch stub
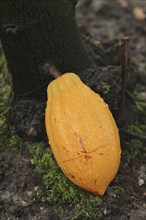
x: 52, y: 70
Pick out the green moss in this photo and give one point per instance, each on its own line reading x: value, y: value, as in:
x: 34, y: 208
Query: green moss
x: 72, y: 202
x: 104, y: 87
x: 5, y: 87
x: 58, y: 191
x: 7, y: 135
x: 139, y: 130
x: 133, y: 149
x: 141, y: 109
x: 3, y: 65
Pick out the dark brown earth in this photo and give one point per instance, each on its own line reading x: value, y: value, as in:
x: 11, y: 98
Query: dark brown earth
x: 103, y: 20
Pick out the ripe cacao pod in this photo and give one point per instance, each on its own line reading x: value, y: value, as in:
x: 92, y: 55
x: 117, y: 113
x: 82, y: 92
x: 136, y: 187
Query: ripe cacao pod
x: 82, y: 133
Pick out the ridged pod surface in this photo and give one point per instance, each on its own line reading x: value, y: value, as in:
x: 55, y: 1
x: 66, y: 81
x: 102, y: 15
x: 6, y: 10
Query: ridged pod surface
x: 82, y: 133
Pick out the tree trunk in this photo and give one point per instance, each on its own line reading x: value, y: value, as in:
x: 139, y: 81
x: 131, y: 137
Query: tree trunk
x: 36, y: 33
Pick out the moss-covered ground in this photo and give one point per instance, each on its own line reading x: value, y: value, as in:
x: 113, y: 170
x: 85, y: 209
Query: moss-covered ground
x: 54, y: 188
x: 32, y: 185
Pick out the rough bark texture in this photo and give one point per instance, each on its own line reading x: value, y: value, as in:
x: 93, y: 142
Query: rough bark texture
x: 35, y: 33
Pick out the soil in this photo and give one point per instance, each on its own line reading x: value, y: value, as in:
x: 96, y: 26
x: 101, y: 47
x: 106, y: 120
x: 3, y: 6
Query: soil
x: 107, y: 20
x: 103, y: 20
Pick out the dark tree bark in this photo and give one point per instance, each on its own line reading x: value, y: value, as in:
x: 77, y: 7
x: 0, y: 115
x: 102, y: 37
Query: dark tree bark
x: 35, y: 34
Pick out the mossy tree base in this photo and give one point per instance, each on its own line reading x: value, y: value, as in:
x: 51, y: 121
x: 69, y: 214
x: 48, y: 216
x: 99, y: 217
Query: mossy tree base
x: 35, y: 34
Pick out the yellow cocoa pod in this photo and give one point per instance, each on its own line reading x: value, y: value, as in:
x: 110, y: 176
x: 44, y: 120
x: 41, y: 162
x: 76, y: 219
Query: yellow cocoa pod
x: 82, y: 133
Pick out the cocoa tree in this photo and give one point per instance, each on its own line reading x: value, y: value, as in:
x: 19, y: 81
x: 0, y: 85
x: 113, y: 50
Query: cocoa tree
x: 34, y: 35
